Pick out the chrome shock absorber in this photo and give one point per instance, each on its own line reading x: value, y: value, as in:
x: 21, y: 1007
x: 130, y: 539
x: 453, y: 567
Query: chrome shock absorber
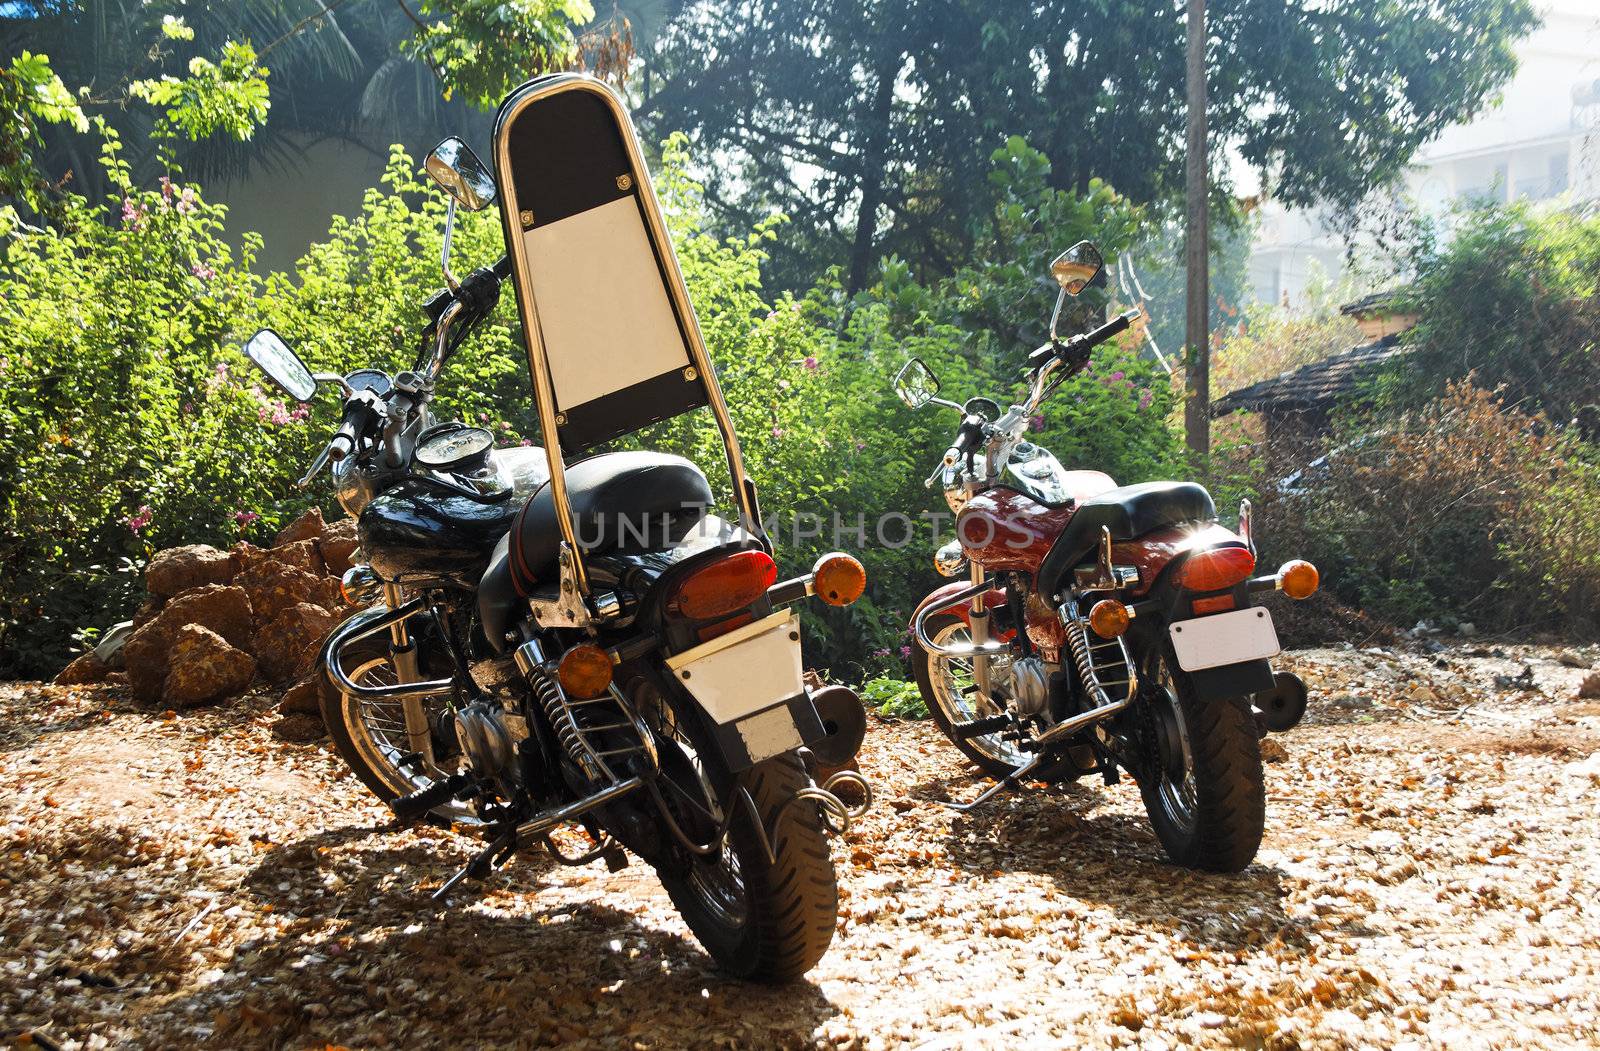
x: 596, y: 734
x: 1103, y: 666
x: 1104, y: 669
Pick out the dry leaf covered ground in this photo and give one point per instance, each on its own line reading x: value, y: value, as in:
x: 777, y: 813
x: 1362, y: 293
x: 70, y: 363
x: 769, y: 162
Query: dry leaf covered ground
x: 1429, y: 878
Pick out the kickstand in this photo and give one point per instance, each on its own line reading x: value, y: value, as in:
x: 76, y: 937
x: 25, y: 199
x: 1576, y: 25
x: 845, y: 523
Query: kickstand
x: 1011, y: 780
x: 482, y: 862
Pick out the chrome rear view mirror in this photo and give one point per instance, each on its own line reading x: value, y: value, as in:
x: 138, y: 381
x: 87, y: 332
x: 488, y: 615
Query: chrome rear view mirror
x: 460, y: 173
x: 916, y: 384
x: 268, y: 350
x: 1076, y: 267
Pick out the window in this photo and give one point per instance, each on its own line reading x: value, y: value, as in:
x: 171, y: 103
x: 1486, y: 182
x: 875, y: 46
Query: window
x: 1558, y: 174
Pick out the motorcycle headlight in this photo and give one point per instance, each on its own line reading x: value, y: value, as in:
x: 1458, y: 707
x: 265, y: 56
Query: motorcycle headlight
x: 950, y: 560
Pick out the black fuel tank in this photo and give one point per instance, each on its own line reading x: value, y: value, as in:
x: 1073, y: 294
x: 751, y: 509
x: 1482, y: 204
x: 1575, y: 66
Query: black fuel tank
x: 420, y: 535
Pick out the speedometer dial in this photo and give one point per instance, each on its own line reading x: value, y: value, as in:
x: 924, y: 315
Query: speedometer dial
x: 453, y: 447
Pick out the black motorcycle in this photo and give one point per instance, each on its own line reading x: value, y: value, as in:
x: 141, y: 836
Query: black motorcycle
x: 544, y: 644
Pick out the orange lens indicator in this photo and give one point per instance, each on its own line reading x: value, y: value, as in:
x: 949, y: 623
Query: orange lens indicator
x: 725, y: 586
x: 584, y: 671
x: 1216, y: 568
x: 1299, y: 579
x: 838, y: 579
x: 1109, y: 618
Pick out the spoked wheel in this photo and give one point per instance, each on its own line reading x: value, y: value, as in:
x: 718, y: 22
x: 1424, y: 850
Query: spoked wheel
x: 763, y: 919
x: 371, y: 735
x: 951, y: 694
x: 1200, y: 774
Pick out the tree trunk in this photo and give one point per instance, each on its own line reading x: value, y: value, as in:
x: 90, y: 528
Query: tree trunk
x: 874, y: 158
x: 1197, y: 320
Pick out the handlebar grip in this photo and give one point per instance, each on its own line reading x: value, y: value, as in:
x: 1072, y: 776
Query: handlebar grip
x: 1113, y: 327
x: 343, y: 443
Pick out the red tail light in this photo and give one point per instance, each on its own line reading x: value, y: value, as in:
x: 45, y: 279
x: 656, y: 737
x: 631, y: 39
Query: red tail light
x: 1216, y: 568
x: 725, y: 586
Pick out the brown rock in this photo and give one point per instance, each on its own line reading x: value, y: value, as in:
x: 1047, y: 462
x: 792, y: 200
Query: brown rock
x: 245, y: 554
x: 1590, y: 686
x: 145, y: 657
x: 84, y: 670
x: 299, y: 729
x: 204, y: 668
x: 302, y: 698
x: 302, y: 554
x: 147, y: 612
x: 222, y: 608
x: 275, y: 586
x: 287, y: 646
x: 1272, y: 750
x: 338, y: 544
x: 308, y: 526
x: 181, y: 568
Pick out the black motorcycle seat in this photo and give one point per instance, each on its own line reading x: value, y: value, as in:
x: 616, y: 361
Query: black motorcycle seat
x: 627, y: 502
x: 1129, y: 511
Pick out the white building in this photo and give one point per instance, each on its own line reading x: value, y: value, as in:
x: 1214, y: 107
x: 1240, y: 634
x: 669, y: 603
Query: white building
x: 1540, y: 142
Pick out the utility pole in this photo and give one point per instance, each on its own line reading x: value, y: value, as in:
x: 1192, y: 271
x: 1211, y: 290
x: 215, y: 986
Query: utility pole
x: 1197, y: 315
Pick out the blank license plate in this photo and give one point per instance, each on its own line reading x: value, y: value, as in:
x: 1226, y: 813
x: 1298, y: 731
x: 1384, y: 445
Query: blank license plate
x: 1224, y: 638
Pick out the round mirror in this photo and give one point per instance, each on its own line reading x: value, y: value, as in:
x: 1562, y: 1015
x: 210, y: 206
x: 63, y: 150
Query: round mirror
x: 268, y: 350
x: 1076, y: 267
x: 916, y: 384
x: 454, y: 166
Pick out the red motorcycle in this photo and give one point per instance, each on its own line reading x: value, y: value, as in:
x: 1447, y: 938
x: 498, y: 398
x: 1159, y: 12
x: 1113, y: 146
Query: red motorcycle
x: 1102, y: 627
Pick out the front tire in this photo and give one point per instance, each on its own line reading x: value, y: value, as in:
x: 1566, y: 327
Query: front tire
x: 370, y: 735
x: 951, y: 697
x: 1201, y: 775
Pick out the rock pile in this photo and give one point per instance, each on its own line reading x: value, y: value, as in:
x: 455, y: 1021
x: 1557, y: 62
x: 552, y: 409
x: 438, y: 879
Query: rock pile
x: 216, y: 620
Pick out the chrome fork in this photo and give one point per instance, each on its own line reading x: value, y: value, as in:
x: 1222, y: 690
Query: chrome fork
x: 418, y: 737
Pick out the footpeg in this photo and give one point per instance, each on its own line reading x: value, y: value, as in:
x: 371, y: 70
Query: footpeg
x: 980, y: 727
x: 409, y: 809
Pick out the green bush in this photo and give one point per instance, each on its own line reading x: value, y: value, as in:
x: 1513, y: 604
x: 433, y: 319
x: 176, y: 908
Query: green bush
x: 893, y: 698
x: 1462, y: 510
x: 129, y: 421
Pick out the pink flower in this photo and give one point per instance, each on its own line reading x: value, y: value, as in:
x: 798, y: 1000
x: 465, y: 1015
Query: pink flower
x: 861, y: 446
x: 1036, y: 423
x: 778, y: 432
x: 526, y: 443
x: 166, y: 188
x: 811, y: 364
x: 133, y: 214
x: 246, y: 518
x: 203, y: 272
x: 905, y: 651
x: 300, y: 413
x: 139, y: 519
x: 881, y: 653
x: 186, y: 203
x: 1144, y: 398
x: 1117, y: 375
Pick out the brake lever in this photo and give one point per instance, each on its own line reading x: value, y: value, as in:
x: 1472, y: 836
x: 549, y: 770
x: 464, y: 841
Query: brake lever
x: 316, y: 466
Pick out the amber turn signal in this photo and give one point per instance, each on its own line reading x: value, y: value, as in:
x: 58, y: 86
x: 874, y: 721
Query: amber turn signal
x: 1298, y: 579
x: 585, y: 671
x: 1109, y: 618
x: 838, y: 579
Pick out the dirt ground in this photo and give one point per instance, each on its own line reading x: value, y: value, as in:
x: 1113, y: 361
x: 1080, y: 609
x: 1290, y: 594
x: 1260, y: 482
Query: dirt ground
x: 1429, y: 879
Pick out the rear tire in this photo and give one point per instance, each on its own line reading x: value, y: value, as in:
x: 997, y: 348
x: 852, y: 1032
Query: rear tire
x: 760, y: 920
x: 1212, y: 815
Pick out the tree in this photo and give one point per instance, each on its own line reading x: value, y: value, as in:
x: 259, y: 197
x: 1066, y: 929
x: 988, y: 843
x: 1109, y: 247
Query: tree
x: 370, y: 72
x: 868, y: 121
